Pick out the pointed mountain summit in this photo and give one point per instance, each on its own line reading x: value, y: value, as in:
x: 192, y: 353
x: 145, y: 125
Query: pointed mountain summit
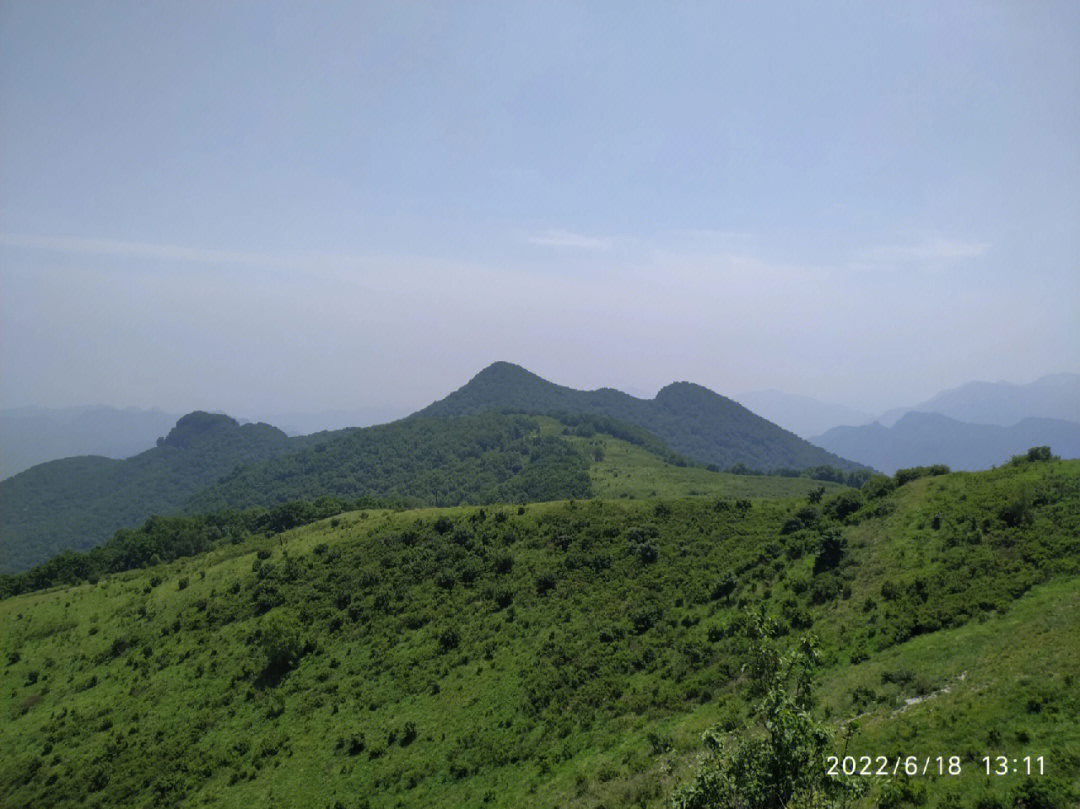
x: 693, y: 420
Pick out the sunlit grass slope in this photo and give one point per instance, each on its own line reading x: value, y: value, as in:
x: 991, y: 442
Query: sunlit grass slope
x: 619, y: 469
x: 555, y: 655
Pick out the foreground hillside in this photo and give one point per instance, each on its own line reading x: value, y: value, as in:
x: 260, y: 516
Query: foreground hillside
x: 562, y: 654
x: 690, y: 419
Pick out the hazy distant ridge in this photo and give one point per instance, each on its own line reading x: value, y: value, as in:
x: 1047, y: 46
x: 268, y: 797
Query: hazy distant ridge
x: 919, y: 439
x: 33, y: 435
x: 1056, y: 396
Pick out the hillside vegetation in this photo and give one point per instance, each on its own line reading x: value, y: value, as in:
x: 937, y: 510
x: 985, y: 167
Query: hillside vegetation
x: 564, y: 654
x: 690, y: 419
x: 208, y: 463
x: 76, y: 503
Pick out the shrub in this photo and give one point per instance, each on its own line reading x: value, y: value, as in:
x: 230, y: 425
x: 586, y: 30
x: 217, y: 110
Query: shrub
x: 724, y: 587
x: 830, y: 552
x: 282, y: 640
x: 878, y: 486
x: 544, y: 583
x: 778, y: 763
x: 449, y: 639
x: 842, y: 505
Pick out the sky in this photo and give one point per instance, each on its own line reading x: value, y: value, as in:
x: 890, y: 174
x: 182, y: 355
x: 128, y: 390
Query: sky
x: 276, y: 207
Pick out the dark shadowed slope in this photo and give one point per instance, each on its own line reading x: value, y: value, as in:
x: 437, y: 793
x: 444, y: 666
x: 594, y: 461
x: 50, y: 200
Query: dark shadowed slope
x: 691, y: 419
x: 210, y: 463
x: 78, y: 502
x: 920, y: 439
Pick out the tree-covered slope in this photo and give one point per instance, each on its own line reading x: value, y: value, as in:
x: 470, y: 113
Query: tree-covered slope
x: 76, y: 503
x: 690, y: 419
x: 473, y: 459
x: 563, y: 654
x: 208, y: 463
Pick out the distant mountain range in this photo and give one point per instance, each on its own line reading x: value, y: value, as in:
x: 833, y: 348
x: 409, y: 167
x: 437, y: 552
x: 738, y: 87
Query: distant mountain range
x: 803, y: 415
x: 921, y: 439
x: 692, y: 420
x: 33, y: 435
x: 1056, y: 396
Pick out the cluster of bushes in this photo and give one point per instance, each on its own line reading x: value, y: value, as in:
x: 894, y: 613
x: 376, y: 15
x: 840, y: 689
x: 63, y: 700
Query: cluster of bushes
x: 831, y: 474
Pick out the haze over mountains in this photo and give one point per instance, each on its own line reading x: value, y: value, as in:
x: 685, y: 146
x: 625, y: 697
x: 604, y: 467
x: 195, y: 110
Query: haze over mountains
x: 803, y: 415
x: 920, y: 439
x: 33, y: 435
x: 973, y: 426
x: 1054, y: 396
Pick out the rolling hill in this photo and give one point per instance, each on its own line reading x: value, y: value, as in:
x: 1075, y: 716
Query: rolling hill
x: 563, y: 654
x: 463, y: 449
x: 690, y: 419
x: 210, y: 462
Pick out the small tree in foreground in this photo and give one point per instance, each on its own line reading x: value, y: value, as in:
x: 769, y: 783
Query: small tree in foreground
x: 778, y: 761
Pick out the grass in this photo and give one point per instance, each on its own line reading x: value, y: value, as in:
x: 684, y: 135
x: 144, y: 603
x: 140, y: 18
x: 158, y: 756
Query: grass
x: 151, y: 687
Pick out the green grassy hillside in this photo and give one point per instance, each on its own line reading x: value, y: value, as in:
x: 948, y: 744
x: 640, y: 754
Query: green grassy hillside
x: 564, y: 654
x: 690, y: 419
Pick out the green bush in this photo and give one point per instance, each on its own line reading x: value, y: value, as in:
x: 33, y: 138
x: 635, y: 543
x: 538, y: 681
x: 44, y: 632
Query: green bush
x: 282, y: 640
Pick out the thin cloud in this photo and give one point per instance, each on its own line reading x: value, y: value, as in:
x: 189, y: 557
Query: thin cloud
x: 564, y: 238
x: 929, y: 250
x: 167, y: 252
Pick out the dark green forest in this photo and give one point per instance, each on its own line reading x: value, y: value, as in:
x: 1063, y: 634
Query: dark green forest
x: 688, y: 418
x: 209, y: 463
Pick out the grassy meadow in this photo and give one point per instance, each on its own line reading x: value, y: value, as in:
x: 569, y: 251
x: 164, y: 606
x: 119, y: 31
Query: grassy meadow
x: 565, y: 654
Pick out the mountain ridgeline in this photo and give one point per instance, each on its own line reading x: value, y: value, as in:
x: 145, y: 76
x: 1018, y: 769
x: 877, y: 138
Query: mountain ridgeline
x: 690, y: 419
x: 482, y: 444
x: 919, y: 439
x: 210, y: 462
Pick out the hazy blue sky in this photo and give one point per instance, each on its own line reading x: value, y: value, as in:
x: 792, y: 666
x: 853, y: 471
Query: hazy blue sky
x: 267, y: 207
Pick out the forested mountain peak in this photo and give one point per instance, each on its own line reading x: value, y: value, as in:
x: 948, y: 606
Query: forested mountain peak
x: 691, y: 419
x: 198, y: 426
